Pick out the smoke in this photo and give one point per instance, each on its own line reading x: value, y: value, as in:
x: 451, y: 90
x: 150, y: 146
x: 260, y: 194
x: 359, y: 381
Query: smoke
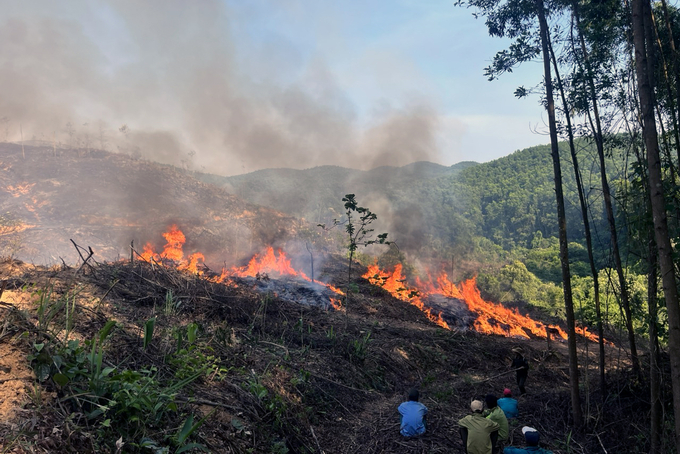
x: 192, y: 88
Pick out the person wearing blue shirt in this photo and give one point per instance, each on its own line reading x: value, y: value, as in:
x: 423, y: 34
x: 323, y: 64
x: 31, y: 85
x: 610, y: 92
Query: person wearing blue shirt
x: 508, y: 404
x: 413, y: 415
x: 531, y: 436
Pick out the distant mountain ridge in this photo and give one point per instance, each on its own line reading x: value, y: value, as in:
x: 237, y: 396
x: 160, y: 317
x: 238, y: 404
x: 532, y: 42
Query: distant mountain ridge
x: 308, y: 193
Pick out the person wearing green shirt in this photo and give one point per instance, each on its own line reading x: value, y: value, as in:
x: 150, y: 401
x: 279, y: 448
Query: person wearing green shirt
x: 496, y: 414
x: 478, y: 433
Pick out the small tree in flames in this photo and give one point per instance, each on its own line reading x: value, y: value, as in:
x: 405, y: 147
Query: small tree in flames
x: 359, y: 233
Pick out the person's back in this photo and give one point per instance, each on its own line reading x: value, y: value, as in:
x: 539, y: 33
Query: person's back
x: 531, y: 436
x: 508, y: 404
x: 413, y: 416
x: 495, y: 414
x: 479, y: 430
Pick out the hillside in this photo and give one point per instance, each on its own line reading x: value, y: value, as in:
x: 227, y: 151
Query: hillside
x: 106, y: 200
x: 268, y: 375
x: 310, y: 193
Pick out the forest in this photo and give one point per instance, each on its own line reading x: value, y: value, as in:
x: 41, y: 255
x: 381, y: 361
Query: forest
x: 611, y: 79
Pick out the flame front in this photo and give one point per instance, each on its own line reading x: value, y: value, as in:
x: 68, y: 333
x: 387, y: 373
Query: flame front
x: 269, y: 262
x: 394, y: 283
x: 491, y: 318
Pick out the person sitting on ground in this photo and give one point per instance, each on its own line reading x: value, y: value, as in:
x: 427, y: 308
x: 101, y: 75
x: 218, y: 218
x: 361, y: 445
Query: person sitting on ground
x: 478, y: 433
x: 520, y: 364
x: 413, y: 415
x: 495, y: 414
x: 508, y: 404
x: 531, y: 436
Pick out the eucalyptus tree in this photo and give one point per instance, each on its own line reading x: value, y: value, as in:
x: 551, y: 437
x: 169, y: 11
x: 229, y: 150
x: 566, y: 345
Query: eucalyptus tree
x: 642, y: 38
x: 525, y: 22
x: 600, y: 35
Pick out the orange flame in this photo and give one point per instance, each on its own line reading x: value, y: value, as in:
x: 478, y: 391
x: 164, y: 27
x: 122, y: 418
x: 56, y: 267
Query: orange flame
x: 172, y: 250
x: 491, y: 318
x: 269, y: 262
x: 394, y: 283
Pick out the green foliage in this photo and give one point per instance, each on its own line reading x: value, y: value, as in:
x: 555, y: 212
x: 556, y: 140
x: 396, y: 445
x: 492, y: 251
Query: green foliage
x: 195, y: 359
x: 116, y: 401
x: 359, y: 234
x: 357, y: 348
x: 514, y: 282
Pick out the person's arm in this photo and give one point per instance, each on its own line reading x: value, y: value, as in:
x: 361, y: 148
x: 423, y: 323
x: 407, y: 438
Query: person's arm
x: 464, y: 436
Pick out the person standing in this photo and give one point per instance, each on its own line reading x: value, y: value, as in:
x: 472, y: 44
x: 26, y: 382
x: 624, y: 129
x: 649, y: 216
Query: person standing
x: 508, y: 404
x: 520, y: 364
x: 413, y: 415
x: 478, y: 433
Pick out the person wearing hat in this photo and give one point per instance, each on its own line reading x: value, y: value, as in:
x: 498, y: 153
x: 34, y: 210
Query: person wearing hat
x: 478, y: 433
x: 508, y: 404
x: 531, y: 436
x: 520, y: 364
x: 413, y: 415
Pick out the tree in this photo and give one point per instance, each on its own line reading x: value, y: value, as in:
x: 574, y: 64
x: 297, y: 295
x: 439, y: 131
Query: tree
x: 525, y: 21
x: 656, y: 188
x: 359, y: 233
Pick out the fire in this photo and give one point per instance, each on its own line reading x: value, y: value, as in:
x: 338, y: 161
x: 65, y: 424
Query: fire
x: 172, y: 251
x: 269, y: 262
x: 394, y: 283
x: 491, y: 318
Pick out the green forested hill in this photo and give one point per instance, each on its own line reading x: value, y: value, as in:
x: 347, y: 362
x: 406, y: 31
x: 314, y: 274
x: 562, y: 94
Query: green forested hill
x: 435, y: 210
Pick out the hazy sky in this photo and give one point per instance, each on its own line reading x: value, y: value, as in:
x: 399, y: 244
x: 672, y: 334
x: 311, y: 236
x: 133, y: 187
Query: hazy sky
x: 250, y: 84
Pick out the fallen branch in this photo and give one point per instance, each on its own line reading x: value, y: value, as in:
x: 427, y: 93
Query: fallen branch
x: 85, y: 260
x: 500, y: 375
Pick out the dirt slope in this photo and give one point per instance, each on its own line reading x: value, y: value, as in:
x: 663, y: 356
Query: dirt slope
x: 274, y: 376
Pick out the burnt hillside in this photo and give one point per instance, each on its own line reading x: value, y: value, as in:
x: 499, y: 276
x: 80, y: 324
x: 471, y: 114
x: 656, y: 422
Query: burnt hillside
x: 106, y: 200
x: 268, y: 375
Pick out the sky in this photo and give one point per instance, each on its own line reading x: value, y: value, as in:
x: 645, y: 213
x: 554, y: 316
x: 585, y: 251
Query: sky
x: 233, y: 86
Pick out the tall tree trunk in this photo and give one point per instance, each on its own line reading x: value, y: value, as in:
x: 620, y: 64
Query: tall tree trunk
x: 656, y: 411
x: 562, y: 220
x: 586, y: 225
x: 663, y: 243
x: 606, y: 194
x: 675, y: 65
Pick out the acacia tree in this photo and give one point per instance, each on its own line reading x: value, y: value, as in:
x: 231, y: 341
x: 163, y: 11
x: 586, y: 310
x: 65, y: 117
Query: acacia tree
x: 357, y: 226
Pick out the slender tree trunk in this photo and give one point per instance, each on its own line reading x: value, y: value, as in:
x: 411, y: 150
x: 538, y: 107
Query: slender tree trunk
x: 562, y: 220
x: 663, y: 243
x: 656, y: 411
x: 606, y: 193
x: 675, y: 65
x: 586, y: 226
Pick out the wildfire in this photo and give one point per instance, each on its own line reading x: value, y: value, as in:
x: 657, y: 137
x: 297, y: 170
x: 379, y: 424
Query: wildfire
x: 491, y: 318
x: 394, y: 283
x: 172, y: 251
x: 267, y: 263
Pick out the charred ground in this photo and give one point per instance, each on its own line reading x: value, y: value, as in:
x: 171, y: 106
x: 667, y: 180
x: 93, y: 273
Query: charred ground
x: 270, y: 376
x: 104, y: 200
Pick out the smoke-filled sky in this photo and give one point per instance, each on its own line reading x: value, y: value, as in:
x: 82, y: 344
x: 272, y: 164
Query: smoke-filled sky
x: 233, y: 86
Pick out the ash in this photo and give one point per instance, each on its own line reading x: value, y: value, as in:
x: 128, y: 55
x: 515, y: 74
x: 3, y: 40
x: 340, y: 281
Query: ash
x: 454, y: 311
x: 291, y: 289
